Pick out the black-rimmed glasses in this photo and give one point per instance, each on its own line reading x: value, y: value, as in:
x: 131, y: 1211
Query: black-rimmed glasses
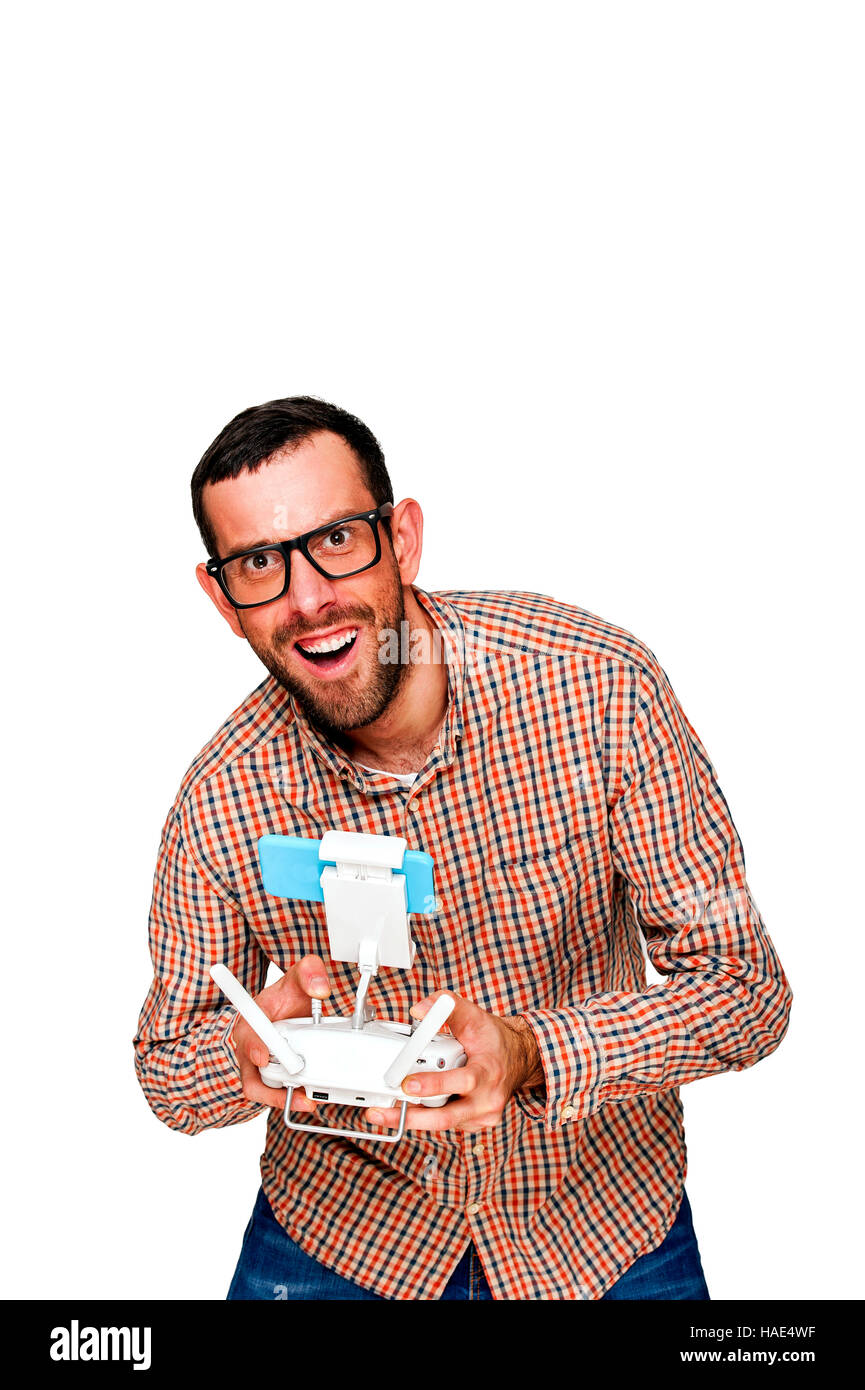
x: 262, y: 575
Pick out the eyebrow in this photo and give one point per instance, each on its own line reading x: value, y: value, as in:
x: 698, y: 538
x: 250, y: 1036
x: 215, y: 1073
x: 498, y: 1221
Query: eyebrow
x: 259, y: 544
x: 241, y: 546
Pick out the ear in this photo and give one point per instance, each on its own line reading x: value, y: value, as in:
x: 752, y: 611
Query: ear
x: 406, y: 529
x: 217, y: 597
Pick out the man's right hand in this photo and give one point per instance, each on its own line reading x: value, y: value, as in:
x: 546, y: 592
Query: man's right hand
x: 289, y: 997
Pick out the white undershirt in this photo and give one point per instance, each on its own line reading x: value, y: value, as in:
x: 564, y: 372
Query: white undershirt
x: 405, y: 779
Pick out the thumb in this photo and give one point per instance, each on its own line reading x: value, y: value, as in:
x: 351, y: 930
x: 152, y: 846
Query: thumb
x: 308, y: 978
x: 461, y: 1016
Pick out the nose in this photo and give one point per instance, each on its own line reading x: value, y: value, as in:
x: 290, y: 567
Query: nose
x: 309, y: 593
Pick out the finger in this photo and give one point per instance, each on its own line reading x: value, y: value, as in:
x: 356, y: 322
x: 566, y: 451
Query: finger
x: 249, y: 1046
x: 423, y: 1117
x: 390, y: 1117
x: 312, y: 976
x: 460, y: 1082
x: 254, y: 1089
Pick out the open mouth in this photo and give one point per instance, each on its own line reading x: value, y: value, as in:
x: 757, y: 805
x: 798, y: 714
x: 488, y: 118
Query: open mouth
x: 328, y: 653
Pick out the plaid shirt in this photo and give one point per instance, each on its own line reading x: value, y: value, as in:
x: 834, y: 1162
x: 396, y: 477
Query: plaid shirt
x: 571, y: 812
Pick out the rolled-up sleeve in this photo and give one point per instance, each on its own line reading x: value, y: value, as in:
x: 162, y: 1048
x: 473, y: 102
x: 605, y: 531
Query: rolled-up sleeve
x: 680, y: 872
x: 183, y: 1060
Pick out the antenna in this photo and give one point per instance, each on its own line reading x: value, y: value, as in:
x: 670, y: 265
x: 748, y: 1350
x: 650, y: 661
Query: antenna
x: 420, y: 1038
x: 257, y: 1019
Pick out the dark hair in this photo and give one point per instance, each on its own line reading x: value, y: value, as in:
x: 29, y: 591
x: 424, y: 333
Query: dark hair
x: 256, y: 434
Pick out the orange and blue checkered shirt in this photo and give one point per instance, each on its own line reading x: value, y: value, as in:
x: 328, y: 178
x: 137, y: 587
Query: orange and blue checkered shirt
x: 572, y: 815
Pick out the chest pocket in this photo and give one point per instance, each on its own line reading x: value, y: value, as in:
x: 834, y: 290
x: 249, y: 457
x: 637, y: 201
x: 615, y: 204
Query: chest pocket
x: 537, y: 907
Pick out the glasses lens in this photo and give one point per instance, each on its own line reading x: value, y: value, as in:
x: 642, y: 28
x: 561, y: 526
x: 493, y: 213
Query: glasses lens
x: 255, y: 578
x: 344, y: 548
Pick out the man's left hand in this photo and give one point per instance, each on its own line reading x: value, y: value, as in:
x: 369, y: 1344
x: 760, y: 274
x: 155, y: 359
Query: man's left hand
x: 501, y: 1058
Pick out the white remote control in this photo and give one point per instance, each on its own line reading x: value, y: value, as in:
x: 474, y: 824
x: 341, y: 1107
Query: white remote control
x: 357, y: 1060
x: 338, y: 1063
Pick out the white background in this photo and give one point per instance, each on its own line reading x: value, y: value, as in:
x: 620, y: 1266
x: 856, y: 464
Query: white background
x: 593, y: 274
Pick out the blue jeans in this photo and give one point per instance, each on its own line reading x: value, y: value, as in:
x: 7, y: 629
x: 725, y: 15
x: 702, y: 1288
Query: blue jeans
x: 272, y: 1266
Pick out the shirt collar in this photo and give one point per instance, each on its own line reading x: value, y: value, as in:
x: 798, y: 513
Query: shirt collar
x: 448, y: 646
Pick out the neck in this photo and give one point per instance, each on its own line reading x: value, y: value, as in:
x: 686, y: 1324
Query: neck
x: 402, y: 738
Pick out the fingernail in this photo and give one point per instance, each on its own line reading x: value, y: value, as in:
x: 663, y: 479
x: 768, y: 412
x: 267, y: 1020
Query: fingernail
x: 319, y: 985
x: 413, y: 1086
x: 375, y: 1117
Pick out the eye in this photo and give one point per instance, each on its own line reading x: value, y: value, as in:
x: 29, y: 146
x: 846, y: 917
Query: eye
x: 262, y: 562
x: 341, y: 537
x: 343, y: 547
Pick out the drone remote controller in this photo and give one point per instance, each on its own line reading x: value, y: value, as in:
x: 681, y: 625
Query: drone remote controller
x: 368, y: 884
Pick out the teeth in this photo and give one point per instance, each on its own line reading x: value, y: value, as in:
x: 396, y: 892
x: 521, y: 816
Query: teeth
x: 329, y: 644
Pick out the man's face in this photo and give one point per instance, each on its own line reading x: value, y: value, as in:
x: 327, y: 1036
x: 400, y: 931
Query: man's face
x: 345, y: 687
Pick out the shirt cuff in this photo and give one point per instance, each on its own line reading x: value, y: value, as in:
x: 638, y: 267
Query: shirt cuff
x: 220, y: 1059
x: 571, y: 1059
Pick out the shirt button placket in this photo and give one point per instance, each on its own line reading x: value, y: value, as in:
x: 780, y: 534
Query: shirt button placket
x: 475, y: 1153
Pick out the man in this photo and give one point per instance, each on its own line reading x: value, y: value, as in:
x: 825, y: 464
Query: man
x: 539, y: 755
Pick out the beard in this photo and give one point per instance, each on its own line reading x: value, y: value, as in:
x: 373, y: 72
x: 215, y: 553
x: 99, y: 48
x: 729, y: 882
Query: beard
x: 335, y: 707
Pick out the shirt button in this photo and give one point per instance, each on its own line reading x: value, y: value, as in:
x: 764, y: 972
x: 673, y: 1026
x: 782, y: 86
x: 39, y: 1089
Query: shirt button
x: 478, y: 1150
x: 568, y: 1112
x: 473, y: 1209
